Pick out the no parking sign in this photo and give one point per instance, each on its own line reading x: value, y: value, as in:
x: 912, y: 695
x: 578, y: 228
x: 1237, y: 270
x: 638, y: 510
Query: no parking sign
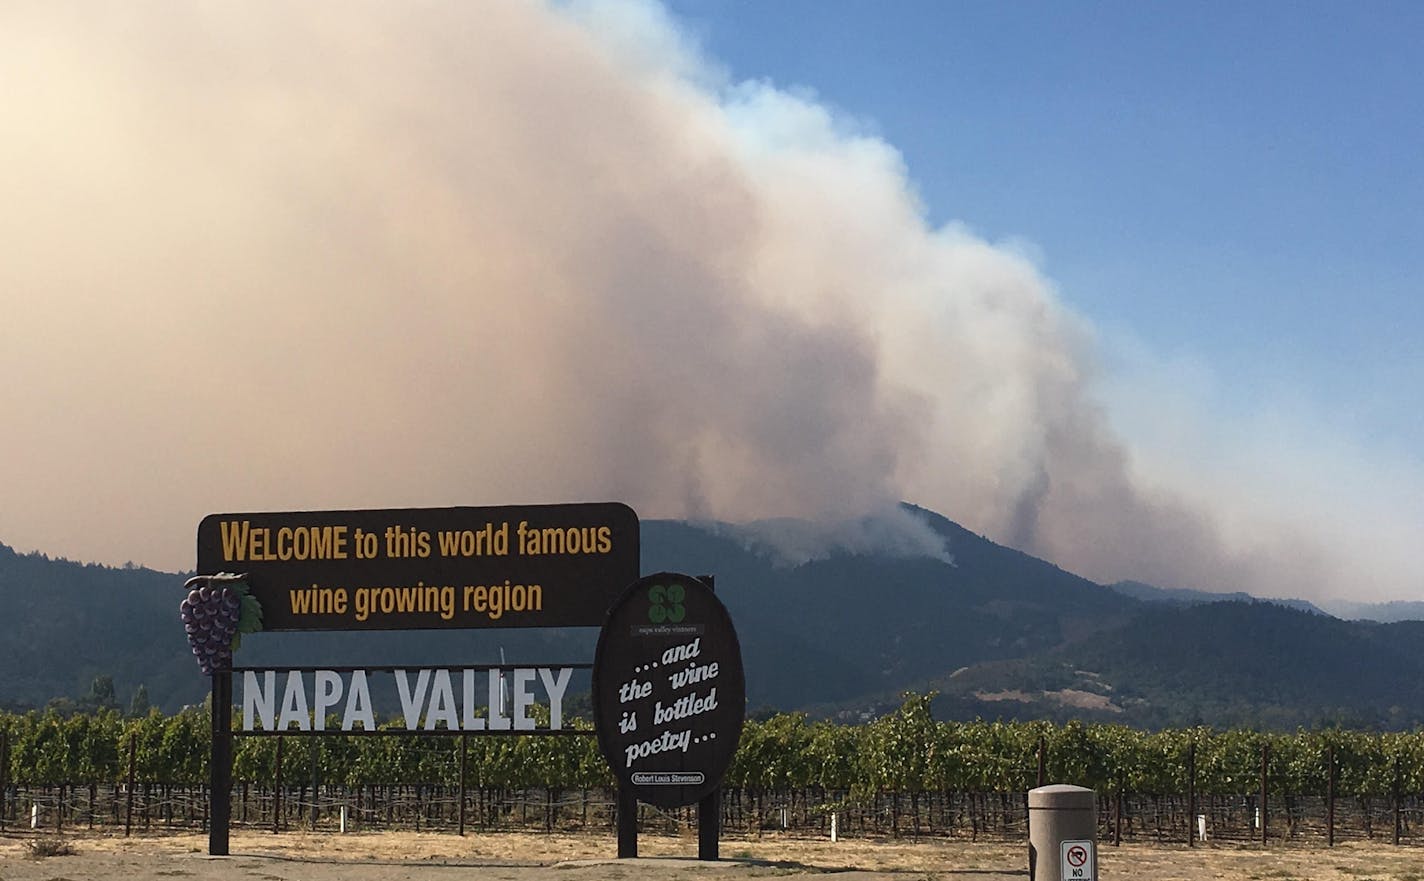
x: 1077, y: 860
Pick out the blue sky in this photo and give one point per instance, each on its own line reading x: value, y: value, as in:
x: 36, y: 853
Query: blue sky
x: 1236, y: 186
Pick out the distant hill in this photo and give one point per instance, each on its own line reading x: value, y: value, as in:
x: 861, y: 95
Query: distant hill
x: 67, y: 623
x: 1347, y: 610
x: 1224, y: 664
x: 1384, y: 613
x: 1239, y: 663
x: 1183, y: 596
x: 997, y: 632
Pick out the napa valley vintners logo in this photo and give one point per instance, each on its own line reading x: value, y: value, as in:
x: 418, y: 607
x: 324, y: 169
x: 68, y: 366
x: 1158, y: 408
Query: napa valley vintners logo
x: 665, y: 603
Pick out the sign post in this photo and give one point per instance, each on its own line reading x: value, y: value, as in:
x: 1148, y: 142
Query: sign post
x: 669, y: 698
x: 397, y: 569
x: 220, y: 764
x: 709, y: 809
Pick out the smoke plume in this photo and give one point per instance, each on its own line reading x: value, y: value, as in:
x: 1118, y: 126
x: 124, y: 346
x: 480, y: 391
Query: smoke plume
x: 269, y: 256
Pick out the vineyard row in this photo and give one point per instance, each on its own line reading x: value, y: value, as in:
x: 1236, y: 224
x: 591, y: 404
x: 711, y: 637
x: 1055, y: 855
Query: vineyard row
x: 906, y: 752
x: 971, y: 816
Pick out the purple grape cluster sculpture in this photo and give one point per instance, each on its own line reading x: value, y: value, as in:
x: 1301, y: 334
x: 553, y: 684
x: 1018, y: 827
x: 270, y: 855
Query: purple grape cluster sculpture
x: 216, y: 611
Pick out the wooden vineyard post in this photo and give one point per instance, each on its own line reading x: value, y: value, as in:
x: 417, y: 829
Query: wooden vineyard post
x: 1117, y: 818
x: 4, y: 774
x: 464, y: 747
x: 1191, y: 794
x: 1330, y: 796
x: 1042, y: 760
x: 1265, y: 815
x: 315, y: 782
x: 277, y: 791
x: 129, y: 793
x: 1397, y: 786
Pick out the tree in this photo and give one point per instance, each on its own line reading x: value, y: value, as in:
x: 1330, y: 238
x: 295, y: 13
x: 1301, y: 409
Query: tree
x: 101, y: 695
x: 139, y: 705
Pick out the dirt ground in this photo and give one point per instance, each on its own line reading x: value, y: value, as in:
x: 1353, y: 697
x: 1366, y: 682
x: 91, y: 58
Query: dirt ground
x: 527, y: 857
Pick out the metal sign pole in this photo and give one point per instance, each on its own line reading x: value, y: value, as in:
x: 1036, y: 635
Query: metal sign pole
x: 220, y: 765
x: 709, y: 809
x: 709, y: 826
x: 627, y: 817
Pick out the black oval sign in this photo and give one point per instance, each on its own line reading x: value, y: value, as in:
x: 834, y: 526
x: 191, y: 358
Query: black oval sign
x: 669, y: 694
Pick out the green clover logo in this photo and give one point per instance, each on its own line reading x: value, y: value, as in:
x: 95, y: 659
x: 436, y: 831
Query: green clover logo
x: 665, y: 603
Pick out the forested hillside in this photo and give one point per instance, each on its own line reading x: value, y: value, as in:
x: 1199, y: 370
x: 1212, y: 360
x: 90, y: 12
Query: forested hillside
x: 67, y: 623
x: 997, y: 633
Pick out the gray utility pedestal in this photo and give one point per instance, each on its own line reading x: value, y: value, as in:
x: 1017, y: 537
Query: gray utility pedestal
x: 1062, y: 833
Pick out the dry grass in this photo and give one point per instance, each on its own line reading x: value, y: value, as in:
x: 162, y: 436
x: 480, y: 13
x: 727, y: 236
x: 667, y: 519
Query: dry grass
x: 300, y: 856
x: 48, y: 846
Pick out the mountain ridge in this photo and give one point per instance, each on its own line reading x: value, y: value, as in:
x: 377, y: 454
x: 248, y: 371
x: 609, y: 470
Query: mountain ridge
x: 999, y: 633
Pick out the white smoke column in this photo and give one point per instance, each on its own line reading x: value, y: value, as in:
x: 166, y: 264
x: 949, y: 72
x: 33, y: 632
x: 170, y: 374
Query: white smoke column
x: 270, y: 256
